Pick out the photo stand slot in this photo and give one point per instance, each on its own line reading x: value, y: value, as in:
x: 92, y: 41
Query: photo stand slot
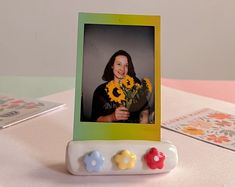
x: 117, y: 115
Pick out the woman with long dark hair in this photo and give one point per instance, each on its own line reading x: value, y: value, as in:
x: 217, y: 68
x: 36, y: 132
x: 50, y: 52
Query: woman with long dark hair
x: 104, y: 110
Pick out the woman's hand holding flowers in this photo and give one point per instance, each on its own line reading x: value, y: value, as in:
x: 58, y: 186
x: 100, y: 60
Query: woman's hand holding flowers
x: 121, y: 113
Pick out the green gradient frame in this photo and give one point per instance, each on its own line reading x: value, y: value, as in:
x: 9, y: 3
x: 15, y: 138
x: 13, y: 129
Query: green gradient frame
x: 117, y: 131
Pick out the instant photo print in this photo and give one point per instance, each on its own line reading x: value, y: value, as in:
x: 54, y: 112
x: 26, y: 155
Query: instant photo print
x: 117, y: 98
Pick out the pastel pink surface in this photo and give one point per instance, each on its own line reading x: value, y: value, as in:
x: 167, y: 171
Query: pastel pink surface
x: 33, y: 151
x: 217, y: 89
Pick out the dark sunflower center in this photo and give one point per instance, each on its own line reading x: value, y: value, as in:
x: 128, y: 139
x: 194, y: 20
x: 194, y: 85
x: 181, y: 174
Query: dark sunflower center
x: 115, y: 93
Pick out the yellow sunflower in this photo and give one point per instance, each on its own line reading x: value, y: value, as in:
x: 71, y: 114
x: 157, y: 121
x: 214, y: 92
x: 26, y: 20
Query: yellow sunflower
x: 128, y: 82
x: 114, y: 92
x: 148, y: 84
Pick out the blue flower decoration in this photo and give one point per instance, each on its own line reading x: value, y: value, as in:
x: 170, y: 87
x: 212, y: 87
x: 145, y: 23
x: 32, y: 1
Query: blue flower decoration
x: 94, y: 161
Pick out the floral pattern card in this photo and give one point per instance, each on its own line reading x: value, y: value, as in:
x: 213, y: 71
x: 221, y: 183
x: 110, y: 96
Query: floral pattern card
x: 14, y: 110
x: 208, y: 125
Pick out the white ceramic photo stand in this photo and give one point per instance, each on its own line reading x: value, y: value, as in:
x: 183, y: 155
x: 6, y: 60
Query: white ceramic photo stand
x: 120, y: 157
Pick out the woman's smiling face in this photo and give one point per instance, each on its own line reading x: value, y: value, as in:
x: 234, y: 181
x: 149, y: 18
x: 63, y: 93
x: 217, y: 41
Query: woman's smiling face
x: 120, y: 67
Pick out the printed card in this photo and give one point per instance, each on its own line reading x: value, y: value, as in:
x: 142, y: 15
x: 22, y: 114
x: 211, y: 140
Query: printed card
x: 208, y: 125
x: 14, y: 110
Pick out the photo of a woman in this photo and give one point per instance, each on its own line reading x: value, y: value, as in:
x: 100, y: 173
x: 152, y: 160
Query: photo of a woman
x: 113, y: 57
x: 103, y: 109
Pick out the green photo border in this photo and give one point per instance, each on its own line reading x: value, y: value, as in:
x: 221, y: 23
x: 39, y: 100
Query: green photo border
x: 117, y: 131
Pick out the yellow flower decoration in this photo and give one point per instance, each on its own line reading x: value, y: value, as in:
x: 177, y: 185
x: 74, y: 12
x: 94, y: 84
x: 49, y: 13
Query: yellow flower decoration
x: 111, y: 88
x: 148, y: 84
x: 125, y: 160
x: 128, y: 82
x: 193, y: 131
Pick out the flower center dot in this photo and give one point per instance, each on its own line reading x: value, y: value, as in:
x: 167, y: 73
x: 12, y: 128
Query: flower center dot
x: 156, y: 158
x: 93, y: 162
x: 125, y: 160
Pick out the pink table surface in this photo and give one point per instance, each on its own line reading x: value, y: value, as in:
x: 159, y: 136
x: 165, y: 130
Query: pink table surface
x: 217, y: 89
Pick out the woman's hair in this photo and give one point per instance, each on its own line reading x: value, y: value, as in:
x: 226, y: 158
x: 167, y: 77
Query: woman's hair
x: 108, y: 71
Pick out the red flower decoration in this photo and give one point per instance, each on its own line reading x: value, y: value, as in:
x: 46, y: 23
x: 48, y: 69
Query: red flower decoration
x: 154, y: 158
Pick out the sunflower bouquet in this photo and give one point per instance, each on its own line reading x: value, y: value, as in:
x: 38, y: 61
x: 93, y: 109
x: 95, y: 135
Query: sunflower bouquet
x: 128, y: 93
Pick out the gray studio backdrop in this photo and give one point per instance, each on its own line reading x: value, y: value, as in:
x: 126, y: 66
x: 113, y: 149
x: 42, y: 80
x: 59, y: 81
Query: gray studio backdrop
x: 102, y: 41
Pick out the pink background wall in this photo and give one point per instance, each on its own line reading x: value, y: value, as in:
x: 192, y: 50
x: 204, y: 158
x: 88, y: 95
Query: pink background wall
x: 222, y: 90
